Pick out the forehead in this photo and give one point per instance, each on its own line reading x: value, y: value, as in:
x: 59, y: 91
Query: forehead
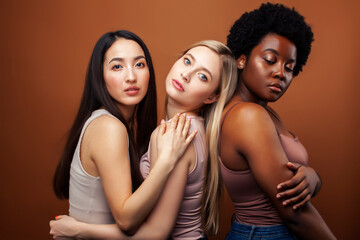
x: 207, y: 58
x: 280, y: 44
x: 124, y: 48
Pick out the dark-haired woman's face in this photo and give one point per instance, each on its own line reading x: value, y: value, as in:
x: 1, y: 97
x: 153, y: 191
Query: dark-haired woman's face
x: 126, y: 73
x: 268, y: 71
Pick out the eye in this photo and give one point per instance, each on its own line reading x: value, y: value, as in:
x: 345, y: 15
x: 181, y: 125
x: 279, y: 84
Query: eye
x: 269, y: 61
x: 203, y: 77
x: 117, y: 67
x: 140, y: 64
x: 187, y: 61
x: 289, y: 69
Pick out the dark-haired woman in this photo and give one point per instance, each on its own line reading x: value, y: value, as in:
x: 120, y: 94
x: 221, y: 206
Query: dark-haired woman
x: 99, y: 169
x: 271, y: 45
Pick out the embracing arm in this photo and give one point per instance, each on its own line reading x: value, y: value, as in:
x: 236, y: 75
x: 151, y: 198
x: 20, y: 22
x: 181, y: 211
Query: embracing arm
x: 157, y: 226
x: 305, y: 184
x: 111, y: 158
x: 256, y: 139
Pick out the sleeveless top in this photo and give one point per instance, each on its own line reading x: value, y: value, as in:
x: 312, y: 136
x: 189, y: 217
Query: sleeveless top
x: 252, y: 205
x: 188, y: 222
x: 86, y: 194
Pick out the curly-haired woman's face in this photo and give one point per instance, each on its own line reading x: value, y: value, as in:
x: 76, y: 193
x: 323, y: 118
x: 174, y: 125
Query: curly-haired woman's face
x: 268, y: 71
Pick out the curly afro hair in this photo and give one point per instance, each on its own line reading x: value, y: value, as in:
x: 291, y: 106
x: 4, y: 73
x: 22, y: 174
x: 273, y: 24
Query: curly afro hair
x: 248, y: 31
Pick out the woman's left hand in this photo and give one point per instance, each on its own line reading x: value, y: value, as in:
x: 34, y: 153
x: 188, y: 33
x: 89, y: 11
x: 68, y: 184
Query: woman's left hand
x: 63, y: 226
x: 301, y: 187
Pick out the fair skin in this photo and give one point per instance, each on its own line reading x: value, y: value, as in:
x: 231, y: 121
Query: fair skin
x: 191, y: 83
x: 254, y: 143
x: 105, y: 150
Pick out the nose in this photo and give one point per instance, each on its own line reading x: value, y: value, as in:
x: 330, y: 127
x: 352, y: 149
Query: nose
x: 186, y: 76
x: 130, y: 75
x: 279, y: 71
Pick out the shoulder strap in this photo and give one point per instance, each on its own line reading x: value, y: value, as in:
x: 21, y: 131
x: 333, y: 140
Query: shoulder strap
x: 222, y: 122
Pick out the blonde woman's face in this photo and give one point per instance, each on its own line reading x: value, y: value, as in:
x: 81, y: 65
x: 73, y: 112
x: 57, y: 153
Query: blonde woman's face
x: 194, y: 78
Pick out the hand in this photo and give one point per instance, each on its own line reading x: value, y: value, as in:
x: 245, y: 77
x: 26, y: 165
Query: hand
x: 173, y: 139
x: 300, y: 188
x: 63, y: 227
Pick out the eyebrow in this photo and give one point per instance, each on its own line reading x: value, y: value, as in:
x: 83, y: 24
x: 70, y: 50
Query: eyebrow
x: 122, y: 59
x: 203, y: 68
x: 277, y: 53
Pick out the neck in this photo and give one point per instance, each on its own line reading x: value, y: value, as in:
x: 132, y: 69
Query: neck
x: 127, y: 111
x: 173, y: 108
x: 247, y: 96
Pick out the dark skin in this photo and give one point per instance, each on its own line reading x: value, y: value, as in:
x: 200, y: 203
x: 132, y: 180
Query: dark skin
x: 254, y: 143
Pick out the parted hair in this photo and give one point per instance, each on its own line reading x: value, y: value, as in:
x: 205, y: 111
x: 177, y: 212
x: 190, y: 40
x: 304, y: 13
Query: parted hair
x: 248, y: 31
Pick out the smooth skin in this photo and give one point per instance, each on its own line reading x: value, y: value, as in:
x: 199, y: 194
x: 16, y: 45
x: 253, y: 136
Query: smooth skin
x: 198, y: 72
x: 254, y: 142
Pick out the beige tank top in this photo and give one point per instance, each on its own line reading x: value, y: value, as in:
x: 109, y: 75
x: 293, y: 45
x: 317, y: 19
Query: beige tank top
x: 86, y: 194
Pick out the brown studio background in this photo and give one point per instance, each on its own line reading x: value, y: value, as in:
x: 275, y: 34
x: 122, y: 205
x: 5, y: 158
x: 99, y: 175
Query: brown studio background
x: 45, y: 48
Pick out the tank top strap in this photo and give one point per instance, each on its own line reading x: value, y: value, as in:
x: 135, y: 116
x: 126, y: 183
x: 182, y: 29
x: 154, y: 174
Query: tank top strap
x: 271, y: 112
x: 222, y: 121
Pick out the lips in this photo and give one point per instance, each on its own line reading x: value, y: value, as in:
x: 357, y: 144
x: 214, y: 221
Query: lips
x: 276, y: 87
x: 178, y: 85
x: 133, y: 90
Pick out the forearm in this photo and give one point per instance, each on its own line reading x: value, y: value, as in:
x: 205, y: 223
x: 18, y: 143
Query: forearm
x: 138, y: 206
x: 306, y: 223
x: 99, y: 231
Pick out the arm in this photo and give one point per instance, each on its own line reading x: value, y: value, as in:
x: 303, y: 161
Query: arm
x: 256, y: 139
x: 300, y: 188
x: 159, y: 223
x: 111, y: 159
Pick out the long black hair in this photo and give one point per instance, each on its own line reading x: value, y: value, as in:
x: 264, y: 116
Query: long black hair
x: 96, y: 95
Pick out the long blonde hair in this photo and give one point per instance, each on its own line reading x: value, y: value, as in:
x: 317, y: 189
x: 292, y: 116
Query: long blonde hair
x: 212, y: 114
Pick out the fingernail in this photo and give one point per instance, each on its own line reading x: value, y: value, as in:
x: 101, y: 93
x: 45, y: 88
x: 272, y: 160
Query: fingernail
x: 285, y: 203
x: 294, y: 207
x: 188, y: 118
x: 178, y: 114
x: 184, y: 114
x: 56, y: 216
x: 278, y: 196
x: 162, y: 121
x: 279, y: 186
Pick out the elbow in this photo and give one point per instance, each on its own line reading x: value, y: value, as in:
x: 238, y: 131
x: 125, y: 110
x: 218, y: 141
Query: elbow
x: 126, y: 226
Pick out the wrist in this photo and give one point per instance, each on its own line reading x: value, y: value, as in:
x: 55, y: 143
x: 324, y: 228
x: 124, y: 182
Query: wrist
x: 165, y: 164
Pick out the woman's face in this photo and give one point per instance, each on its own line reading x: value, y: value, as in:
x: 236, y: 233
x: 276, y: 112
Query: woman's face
x: 194, y: 78
x: 126, y: 73
x: 268, y: 71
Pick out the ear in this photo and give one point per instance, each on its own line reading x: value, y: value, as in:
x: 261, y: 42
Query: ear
x: 211, y: 99
x: 241, y: 61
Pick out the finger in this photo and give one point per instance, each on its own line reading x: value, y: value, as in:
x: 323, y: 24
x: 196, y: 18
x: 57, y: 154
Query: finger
x: 162, y: 127
x: 293, y: 166
x: 292, y: 191
x: 293, y: 182
x: 302, y: 203
x: 187, y: 126
x: 191, y: 137
x: 181, y: 123
x: 174, y: 121
x: 296, y: 199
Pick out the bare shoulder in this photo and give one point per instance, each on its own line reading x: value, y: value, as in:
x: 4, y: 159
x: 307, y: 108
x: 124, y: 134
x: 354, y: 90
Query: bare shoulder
x: 106, y: 124
x: 247, y: 114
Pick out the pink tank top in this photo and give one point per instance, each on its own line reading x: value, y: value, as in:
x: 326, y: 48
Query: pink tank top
x: 188, y: 222
x: 252, y: 205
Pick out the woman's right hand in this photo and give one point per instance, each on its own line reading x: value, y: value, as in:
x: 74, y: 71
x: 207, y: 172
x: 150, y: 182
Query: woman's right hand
x: 173, y: 139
